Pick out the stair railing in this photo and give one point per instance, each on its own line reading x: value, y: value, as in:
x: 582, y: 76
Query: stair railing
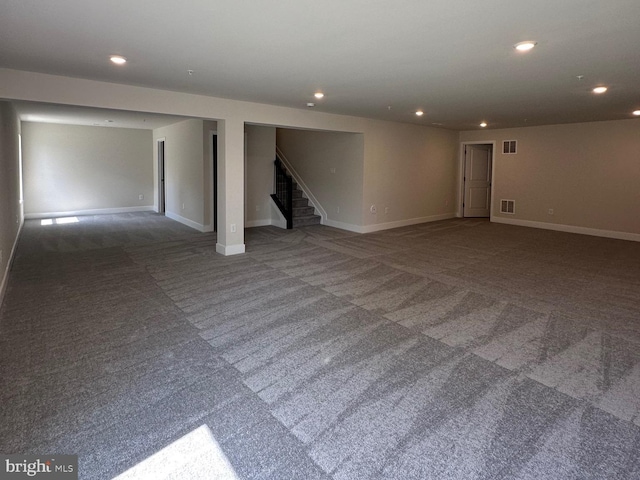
x: 283, y: 196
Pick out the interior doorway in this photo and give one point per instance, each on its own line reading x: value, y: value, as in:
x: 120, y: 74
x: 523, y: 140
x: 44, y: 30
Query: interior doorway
x: 162, y: 193
x: 214, y: 179
x: 477, y: 178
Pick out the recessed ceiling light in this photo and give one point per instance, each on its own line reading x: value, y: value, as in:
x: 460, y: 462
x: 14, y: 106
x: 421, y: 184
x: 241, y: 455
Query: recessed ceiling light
x: 483, y: 124
x: 419, y: 113
x: 525, y: 46
x: 311, y: 104
x: 318, y: 95
x: 118, y: 59
x: 636, y: 113
x: 599, y: 89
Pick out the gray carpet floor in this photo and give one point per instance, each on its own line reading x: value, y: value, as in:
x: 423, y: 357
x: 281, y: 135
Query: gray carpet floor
x: 459, y: 349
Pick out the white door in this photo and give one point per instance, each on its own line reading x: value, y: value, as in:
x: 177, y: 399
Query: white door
x: 477, y: 181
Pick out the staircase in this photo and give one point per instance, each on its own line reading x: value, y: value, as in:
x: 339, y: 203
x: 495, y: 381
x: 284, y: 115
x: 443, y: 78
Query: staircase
x: 302, y: 212
x: 289, y: 200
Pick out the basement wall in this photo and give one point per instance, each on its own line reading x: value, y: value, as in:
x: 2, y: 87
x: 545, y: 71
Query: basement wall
x: 80, y: 170
x: 587, y: 174
x: 11, y: 216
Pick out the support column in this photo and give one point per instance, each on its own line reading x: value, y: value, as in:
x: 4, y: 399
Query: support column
x: 230, y: 226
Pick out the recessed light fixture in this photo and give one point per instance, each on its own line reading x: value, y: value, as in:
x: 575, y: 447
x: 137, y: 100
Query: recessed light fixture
x: 525, y: 46
x: 118, y: 59
x: 318, y: 95
x: 599, y: 89
x: 419, y: 113
x: 636, y: 113
x: 311, y: 104
x: 483, y: 124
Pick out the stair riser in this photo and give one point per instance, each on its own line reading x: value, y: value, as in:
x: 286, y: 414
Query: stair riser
x: 302, y: 211
x: 305, y: 221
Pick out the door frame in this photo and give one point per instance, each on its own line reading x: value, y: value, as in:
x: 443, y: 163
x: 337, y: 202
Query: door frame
x: 213, y: 180
x: 162, y: 172
x: 461, y: 165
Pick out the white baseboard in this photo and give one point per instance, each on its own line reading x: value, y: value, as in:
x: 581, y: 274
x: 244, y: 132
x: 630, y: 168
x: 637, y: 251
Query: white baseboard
x: 596, y: 232
x: 5, y: 274
x: 388, y: 225
x: 258, y: 223
x: 94, y: 211
x: 230, y: 249
x: 189, y: 223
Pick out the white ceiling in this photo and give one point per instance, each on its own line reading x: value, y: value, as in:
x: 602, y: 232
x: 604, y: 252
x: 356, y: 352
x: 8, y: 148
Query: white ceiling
x: 453, y: 58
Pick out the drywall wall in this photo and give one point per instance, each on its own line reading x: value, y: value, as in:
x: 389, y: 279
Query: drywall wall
x: 232, y: 115
x: 185, y: 176
x: 331, y: 165
x: 81, y: 169
x: 10, y: 205
x: 261, y: 148
x: 409, y: 175
x: 587, y: 173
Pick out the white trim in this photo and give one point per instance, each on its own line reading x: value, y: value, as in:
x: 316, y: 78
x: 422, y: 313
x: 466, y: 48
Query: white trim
x: 596, y: 232
x: 388, y: 225
x: 344, y: 226
x: 5, y: 276
x: 277, y: 218
x: 258, y: 223
x: 188, y: 223
x: 303, y: 186
x: 94, y: 211
x: 460, y: 210
x: 212, y: 188
x: 230, y: 249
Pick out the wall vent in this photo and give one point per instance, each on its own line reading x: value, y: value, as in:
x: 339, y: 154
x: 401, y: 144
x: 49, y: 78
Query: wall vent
x: 510, y: 147
x: 508, y: 206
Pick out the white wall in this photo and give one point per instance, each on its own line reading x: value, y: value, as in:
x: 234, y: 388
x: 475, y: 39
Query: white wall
x: 80, y: 169
x: 588, y: 173
x: 261, y: 153
x: 411, y: 170
x: 313, y: 155
x: 184, y: 157
x: 10, y: 206
x: 384, y: 144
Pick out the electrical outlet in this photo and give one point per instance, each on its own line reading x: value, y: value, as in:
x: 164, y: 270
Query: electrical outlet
x: 446, y: 203
x: 233, y: 228
x: 373, y: 210
x: 257, y: 208
x: 551, y: 211
x: 140, y: 197
x: 386, y: 210
x: 338, y: 210
x: 183, y: 206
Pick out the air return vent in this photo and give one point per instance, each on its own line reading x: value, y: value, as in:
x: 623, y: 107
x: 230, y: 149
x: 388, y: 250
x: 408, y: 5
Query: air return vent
x: 508, y: 206
x: 510, y: 146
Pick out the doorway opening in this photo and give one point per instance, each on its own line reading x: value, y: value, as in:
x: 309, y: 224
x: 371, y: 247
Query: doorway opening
x: 162, y: 193
x: 477, y: 174
x: 214, y: 177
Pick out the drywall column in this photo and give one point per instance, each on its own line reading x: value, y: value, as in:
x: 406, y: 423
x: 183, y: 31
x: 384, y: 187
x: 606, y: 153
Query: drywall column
x: 230, y: 187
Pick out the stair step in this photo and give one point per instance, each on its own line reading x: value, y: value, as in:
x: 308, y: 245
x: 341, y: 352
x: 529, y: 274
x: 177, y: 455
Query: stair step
x: 302, y: 211
x: 300, y: 202
x: 306, y: 220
